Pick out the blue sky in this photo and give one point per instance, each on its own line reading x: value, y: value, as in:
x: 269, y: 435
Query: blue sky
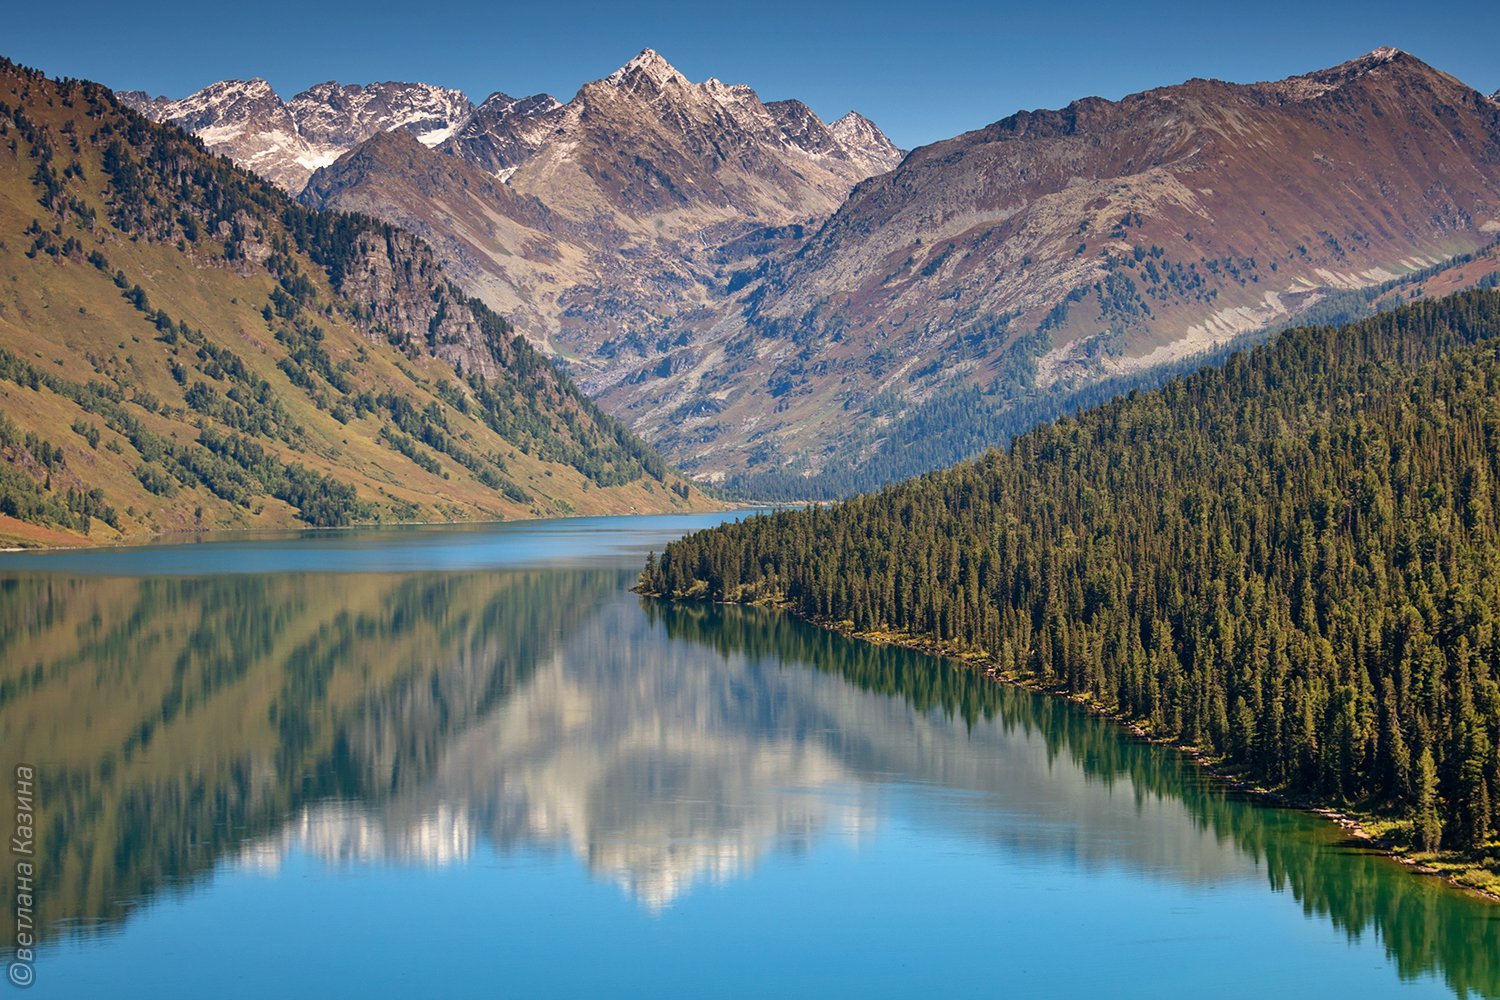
x: 923, y: 70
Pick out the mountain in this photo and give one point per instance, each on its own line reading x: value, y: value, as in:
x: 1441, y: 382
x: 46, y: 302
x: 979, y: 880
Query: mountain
x: 863, y: 142
x: 285, y: 141
x: 599, y: 221
x: 508, y: 249
x: 183, y: 346
x: 1052, y: 249
x: 586, y: 221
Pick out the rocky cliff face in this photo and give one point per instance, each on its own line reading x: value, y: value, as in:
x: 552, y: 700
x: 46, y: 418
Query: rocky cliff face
x: 504, y: 131
x: 507, y: 249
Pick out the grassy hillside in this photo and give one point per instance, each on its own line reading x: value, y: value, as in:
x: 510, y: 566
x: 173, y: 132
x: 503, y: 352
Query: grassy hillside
x: 1290, y: 563
x: 184, y: 347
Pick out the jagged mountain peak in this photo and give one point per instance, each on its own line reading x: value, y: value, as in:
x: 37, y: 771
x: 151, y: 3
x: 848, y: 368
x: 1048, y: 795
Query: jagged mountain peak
x: 863, y: 140
x: 500, y: 103
x: 854, y: 127
x: 1381, y: 62
x: 332, y: 90
x: 344, y: 114
x: 1376, y: 59
x: 257, y: 88
x: 1382, y: 54
x: 240, y: 94
x: 646, y: 140
x: 851, y: 120
x: 801, y: 128
x: 139, y: 100
x: 650, y: 67
x: 728, y: 93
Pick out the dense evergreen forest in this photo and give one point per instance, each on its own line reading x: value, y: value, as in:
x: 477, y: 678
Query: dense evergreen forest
x: 1290, y: 561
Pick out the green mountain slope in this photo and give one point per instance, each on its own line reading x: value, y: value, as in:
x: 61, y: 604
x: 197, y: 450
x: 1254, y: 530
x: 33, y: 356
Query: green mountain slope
x: 183, y: 346
x: 1290, y: 562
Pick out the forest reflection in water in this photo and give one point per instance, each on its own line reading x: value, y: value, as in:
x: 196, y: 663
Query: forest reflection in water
x: 181, y: 723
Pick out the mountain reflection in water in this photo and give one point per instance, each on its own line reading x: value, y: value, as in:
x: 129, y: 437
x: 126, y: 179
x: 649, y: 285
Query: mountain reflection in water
x: 181, y: 723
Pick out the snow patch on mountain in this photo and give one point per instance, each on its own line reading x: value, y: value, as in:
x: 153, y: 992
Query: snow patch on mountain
x: 285, y: 141
x: 648, y: 66
x: 863, y: 140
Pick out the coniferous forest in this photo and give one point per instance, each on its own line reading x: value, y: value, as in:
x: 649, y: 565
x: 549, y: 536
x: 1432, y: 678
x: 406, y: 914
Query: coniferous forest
x: 1290, y: 562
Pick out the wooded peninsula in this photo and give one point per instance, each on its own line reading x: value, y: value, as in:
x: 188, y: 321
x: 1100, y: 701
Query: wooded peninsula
x: 1289, y: 562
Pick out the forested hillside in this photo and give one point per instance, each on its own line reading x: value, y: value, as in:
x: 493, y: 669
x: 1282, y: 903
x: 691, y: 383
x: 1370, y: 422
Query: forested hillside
x: 1290, y: 562
x: 184, y: 346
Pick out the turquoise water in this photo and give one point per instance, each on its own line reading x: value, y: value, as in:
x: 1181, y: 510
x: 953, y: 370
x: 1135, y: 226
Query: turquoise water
x: 468, y: 762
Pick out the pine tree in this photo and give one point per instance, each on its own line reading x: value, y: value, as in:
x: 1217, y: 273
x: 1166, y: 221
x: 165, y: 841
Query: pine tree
x: 1428, y: 822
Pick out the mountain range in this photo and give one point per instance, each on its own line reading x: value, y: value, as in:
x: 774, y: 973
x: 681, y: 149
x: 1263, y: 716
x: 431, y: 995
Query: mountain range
x: 776, y: 301
x: 588, y: 221
x: 1055, y: 248
x: 285, y: 141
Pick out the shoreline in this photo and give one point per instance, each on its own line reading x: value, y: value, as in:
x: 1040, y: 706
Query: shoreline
x: 1352, y: 824
x: 218, y: 534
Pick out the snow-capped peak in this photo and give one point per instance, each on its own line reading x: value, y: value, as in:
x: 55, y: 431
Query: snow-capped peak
x: 225, y: 92
x: 648, y: 65
x: 853, y: 123
x: 1310, y: 86
x: 243, y: 102
x: 863, y: 140
x: 286, y: 141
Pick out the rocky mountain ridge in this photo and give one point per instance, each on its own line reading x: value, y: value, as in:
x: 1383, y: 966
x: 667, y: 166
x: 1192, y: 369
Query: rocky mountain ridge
x: 285, y: 141
x: 582, y: 220
x: 592, y: 220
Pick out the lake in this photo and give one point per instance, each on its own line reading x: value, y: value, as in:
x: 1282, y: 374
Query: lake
x: 467, y: 761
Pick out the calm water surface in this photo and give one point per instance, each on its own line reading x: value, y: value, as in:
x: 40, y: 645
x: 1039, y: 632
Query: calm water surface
x: 468, y: 762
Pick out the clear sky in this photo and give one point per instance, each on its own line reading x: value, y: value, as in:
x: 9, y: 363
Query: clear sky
x: 922, y: 69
